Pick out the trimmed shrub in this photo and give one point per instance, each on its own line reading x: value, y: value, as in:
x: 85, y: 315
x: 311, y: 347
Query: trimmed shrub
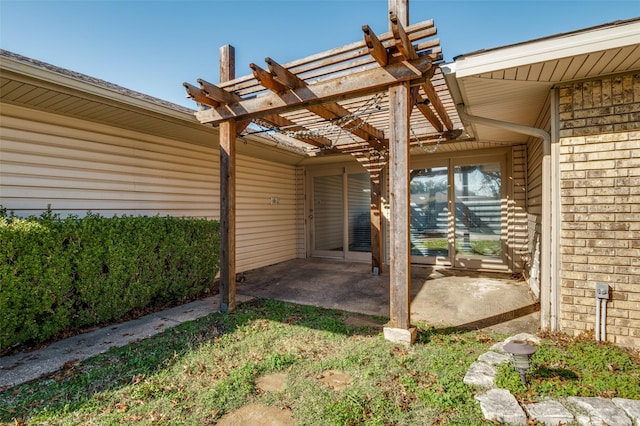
x: 60, y: 274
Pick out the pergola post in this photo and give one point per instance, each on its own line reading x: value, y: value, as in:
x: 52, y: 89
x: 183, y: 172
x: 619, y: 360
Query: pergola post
x: 227, y: 194
x: 399, y: 328
x: 375, y: 176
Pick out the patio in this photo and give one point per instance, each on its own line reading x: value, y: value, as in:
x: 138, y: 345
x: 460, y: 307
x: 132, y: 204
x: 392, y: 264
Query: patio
x: 442, y: 297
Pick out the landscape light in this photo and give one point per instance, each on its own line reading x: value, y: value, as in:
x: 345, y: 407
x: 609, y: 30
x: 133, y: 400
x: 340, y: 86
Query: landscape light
x: 520, y: 352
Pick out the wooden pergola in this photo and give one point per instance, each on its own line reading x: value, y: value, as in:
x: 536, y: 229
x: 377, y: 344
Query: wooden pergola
x: 372, y: 99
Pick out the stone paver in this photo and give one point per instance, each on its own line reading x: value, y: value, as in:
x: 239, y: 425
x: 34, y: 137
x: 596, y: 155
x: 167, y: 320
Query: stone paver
x: 480, y: 374
x: 599, y: 411
x: 500, y: 405
x: 631, y: 407
x: 549, y: 413
x: 493, y: 358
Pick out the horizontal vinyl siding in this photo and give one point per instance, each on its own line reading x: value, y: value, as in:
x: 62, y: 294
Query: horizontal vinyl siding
x: 266, y: 233
x: 76, y: 167
x: 534, y: 209
x: 107, y: 171
x: 518, y: 234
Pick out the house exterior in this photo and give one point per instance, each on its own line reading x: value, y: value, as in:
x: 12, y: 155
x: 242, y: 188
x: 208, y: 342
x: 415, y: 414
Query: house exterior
x: 582, y: 197
x: 543, y: 180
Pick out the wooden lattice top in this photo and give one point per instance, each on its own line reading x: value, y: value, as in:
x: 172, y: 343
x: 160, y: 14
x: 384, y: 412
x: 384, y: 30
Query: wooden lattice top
x: 337, y: 101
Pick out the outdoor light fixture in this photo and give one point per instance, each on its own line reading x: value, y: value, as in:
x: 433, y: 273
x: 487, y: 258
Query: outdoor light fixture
x: 520, y: 352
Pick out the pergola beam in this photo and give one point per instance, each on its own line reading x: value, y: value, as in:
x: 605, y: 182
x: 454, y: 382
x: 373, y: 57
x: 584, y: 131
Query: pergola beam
x: 376, y: 48
x: 431, y: 94
x: 344, y: 87
x: 329, y: 110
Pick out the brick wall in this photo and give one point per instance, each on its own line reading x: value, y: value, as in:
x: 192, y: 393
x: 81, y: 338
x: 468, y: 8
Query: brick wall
x: 600, y: 191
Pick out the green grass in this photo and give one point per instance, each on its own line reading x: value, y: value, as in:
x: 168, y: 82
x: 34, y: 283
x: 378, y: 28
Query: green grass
x: 575, y: 367
x: 197, y: 372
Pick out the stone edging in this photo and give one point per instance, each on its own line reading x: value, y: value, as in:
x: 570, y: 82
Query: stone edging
x: 500, y: 405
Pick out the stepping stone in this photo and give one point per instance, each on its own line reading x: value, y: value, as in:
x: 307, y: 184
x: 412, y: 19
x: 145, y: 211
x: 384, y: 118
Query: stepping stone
x: 493, y: 358
x: 631, y: 407
x: 480, y: 374
x: 258, y: 415
x: 549, y: 413
x: 336, y: 380
x: 599, y: 411
x: 276, y: 382
x: 500, y: 406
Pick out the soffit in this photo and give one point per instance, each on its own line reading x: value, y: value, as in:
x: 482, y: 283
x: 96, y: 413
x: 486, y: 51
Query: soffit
x: 512, y: 84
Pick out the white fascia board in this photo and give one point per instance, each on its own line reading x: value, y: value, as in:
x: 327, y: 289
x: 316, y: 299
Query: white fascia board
x: 562, y: 46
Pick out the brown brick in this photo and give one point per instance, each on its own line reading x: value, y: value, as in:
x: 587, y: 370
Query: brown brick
x: 592, y: 130
x: 610, y: 208
x: 570, y: 174
x: 608, y: 225
x: 618, y: 313
x: 608, y: 190
x: 598, y: 268
x: 627, y: 341
x: 596, y: 251
x: 605, y: 173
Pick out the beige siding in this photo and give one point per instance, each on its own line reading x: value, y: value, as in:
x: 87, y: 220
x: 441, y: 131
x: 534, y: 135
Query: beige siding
x: 76, y: 167
x: 534, y: 214
x: 517, y: 229
x: 268, y: 218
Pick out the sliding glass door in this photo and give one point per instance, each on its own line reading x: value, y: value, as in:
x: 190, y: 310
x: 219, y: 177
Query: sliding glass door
x: 458, y: 213
x: 430, y: 214
x: 478, y: 214
x: 340, y: 215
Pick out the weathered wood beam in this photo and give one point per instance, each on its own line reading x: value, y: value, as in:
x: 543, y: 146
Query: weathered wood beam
x: 432, y: 95
x: 198, y: 95
x: 402, y: 40
x: 399, y: 246
x: 330, y: 110
x: 283, y: 75
x: 266, y: 79
x: 422, y: 105
x: 217, y: 94
x: 228, y: 133
x: 376, y: 49
x: 344, y: 87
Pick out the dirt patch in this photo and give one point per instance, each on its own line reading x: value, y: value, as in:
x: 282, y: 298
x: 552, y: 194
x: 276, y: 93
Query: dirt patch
x: 362, y: 321
x: 258, y: 415
x: 276, y: 382
x: 337, y: 380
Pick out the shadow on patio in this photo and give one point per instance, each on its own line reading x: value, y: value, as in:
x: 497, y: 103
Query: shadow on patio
x: 440, y: 297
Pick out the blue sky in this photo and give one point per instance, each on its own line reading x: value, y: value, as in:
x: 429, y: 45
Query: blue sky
x: 153, y: 46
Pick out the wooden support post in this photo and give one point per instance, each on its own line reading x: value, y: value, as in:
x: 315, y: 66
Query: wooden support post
x: 375, y: 175
x: 227, y: 194
x: 400, y: 8
x: 399, y: 260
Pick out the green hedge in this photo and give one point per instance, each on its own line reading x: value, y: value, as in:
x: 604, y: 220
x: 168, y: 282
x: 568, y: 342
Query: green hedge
x: 59, y: 274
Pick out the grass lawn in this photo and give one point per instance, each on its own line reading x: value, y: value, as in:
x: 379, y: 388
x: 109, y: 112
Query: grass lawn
x: 197, y: 372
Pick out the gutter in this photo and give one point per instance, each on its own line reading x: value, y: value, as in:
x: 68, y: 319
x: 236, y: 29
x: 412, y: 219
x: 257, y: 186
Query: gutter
x: 548, y: 286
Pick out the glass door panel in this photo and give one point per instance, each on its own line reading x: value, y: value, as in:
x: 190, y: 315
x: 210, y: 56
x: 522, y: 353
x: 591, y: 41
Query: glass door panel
x: 328, y: 214
x: 429, y: 213
x: 478, y: 211
x: 359, y: 207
